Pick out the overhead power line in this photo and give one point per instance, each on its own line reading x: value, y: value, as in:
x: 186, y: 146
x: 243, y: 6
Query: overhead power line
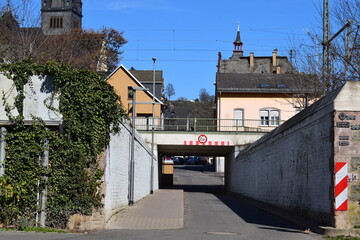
x: 193, y: 50
x: 169, y: 60
x: 273, y: 30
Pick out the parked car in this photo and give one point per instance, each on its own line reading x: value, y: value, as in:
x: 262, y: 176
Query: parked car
x: 203, y: 161
x: 181, y: 160
x: 192, y: 161
x: 176, y: 161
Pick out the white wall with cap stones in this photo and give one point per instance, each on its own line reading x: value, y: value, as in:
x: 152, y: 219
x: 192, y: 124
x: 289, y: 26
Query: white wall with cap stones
x: 117, y: 170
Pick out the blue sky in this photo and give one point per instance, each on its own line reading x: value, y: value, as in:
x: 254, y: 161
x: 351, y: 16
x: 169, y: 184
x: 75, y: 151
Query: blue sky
x: 186, y: 35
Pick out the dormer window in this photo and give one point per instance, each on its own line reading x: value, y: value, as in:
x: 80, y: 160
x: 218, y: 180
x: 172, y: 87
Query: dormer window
x: 67, y: 3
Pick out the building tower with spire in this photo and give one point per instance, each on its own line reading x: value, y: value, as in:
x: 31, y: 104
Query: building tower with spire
x: 60, y: 16
x: 238, y: 63
x: 238, y: 52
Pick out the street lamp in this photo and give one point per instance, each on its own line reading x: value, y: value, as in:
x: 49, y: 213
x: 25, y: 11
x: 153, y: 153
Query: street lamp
x: 132, y: 153
x: 152, y: 133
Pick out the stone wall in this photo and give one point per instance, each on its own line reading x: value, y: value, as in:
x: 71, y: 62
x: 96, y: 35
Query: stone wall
x: 347, y: 150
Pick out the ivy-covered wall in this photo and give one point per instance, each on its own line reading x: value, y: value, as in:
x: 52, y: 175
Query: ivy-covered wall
x: 90, y: 111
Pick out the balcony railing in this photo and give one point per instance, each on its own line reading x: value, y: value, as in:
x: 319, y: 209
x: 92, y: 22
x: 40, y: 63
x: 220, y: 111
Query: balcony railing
x: 205, y: 125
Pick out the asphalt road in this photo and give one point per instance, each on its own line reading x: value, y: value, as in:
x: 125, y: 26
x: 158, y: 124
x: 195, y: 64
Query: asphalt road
x: 209, y: 215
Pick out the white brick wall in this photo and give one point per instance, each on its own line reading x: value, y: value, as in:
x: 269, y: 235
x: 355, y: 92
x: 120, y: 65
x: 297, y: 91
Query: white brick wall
x: 117, y: 170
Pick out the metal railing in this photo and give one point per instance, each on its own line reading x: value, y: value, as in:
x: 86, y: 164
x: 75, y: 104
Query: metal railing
x: 206, y: 124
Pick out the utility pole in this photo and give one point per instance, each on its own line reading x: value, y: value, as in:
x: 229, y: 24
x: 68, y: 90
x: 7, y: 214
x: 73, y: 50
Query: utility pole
x: 326, y: 45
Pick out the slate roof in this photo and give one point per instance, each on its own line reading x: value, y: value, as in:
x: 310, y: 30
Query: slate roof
x: 146, y: 78
x: 263, y: 83
x: 238, y: 39
x: 147, y: 75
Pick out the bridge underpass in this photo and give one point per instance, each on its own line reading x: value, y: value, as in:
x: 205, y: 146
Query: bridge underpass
x: 223, y: 146
x: 195, y: 150
x: 191, y: 150
x: 220, y: 138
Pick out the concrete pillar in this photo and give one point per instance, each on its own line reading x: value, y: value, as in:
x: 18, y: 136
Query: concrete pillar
x: 2, y: 150
x: 229, y: 174
x: 219, y: 164
x: 44, y: 191
x: 153, y: 166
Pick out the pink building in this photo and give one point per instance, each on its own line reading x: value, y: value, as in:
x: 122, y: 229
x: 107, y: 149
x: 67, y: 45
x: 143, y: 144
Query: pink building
x: 259, y: 92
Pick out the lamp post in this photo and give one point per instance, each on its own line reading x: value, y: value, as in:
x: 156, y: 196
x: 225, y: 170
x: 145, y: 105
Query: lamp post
x: 152, y: 133
x: 132, y: 153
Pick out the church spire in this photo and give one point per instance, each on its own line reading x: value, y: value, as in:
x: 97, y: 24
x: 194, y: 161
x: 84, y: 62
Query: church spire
x: 238, y: 43
x: 8, y: 6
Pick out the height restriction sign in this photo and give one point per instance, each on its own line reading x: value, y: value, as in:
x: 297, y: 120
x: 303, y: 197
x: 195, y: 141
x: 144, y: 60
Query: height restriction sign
x: 202, y: 139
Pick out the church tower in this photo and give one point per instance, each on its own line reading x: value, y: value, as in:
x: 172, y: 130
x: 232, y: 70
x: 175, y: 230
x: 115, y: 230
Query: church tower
x: 60, y: 16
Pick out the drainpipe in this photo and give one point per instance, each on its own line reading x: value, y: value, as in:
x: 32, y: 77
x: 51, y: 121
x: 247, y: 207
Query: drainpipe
x: 219, y: 111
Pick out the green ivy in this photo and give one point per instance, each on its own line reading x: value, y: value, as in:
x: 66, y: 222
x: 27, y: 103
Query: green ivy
x: 90, y: 111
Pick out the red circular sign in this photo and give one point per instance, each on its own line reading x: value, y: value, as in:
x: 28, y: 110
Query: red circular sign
x: 202, y: 138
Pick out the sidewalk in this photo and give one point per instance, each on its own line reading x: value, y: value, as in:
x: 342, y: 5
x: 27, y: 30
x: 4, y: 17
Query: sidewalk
x: 162, y: 210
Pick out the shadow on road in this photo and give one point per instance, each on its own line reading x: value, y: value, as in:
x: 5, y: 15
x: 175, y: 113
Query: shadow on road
x: 205, y: 180
x: 197, y: 168
x: 251, y: 214
x: 215, y: 189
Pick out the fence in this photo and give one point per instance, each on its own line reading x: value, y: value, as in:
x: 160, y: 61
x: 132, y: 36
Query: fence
x: 205, y: 124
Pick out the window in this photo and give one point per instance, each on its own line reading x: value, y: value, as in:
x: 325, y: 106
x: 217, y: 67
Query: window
x: 76, y: 24
x: 300, y: 101
x: 130, y: 93
x: 238, y: 117
x: 269, y: 117
x: 56, y: 22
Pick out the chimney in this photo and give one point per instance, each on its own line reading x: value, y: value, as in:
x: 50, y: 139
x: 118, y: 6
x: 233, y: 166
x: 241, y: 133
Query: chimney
x: 278, y: 70
x: 274, y: 55
x: 252, y: 63
x: 219, y: 61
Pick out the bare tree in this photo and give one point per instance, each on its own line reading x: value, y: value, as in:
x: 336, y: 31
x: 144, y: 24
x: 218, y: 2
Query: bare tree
x: 169, y: 90
x: 20, y: 38
x: 204, y: 96
x: 344, y: 48
x: 182, y: 99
